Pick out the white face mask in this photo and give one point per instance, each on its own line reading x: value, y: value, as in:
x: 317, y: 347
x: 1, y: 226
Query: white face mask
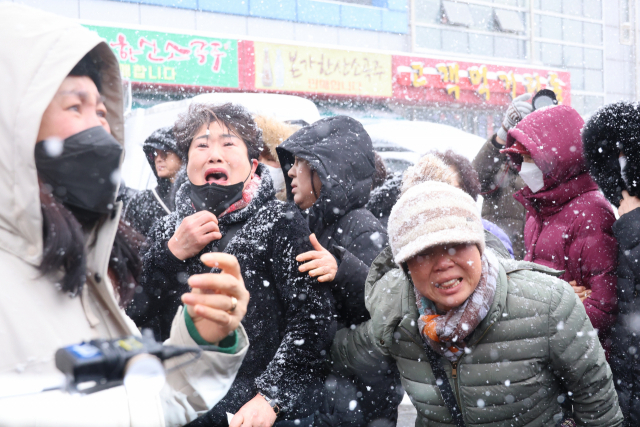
x: 623, y: 165
x: 277, y: 176
x: 532, y: 176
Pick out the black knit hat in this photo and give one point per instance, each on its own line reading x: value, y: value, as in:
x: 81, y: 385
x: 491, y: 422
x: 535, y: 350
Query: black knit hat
x: 613, y: 129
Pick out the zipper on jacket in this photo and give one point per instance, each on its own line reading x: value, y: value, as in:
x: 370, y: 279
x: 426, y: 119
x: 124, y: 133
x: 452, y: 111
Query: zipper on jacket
x: 454, y: 377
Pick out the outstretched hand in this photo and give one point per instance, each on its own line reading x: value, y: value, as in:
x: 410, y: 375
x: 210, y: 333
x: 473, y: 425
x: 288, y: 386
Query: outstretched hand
x: 319, y: 263
x: 211, y: 302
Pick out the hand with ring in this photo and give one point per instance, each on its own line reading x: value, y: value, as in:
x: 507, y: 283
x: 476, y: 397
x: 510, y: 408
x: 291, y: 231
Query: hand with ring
x: 583, y: 292
x: 217, y: 302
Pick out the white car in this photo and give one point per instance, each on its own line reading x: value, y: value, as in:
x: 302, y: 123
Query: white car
x: 401, y: 143
x: 141, y: 122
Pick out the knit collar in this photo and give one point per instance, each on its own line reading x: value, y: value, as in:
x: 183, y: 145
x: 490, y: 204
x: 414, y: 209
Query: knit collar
x: 447, y: 333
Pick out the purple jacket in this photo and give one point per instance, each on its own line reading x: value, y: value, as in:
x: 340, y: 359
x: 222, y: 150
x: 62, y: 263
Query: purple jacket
x: 569, y: 222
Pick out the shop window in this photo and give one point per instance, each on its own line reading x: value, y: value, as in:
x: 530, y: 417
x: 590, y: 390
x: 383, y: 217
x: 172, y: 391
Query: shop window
x: 480, y: 44
x: 506, y: 47
x: 509, y: 21
x: 572, y: 30
x: 550, y: 54
x: 456, y: 14
x: 593, y: 80
x: 482, y: 17
x: 455, y: 41
x: 510, y: 2
x: 577, y: 102
x: 572, y: 7
x: 577, y: 78
x: 550, y: 27
x: 428, y: 38
x: 362, y: 2
x: 573, y: 56
x: 428, y: 11
x: 595, y: 58
x: 592, y: 9
x: 592, y: 103
x: 551, y: 6
x: 592, y: 33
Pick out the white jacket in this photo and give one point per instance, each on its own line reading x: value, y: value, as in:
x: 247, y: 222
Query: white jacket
x: 37, y: 52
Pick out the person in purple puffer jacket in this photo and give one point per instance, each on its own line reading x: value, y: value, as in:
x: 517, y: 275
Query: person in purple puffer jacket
x: 569, y: 222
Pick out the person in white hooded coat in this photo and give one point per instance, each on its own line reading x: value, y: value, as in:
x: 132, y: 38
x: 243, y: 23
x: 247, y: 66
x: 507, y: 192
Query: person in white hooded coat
x: 38, y: 52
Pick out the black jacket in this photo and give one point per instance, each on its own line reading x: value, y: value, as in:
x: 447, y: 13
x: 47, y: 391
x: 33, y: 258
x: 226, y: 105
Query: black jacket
x: 383, y: 198
x: 289, y: 321
x: 146, y: 207
x: 612, y: 129
x: 340, y: 151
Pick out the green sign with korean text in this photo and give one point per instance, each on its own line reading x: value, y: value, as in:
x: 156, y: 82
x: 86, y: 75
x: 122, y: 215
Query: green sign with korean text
x: 172, y: 58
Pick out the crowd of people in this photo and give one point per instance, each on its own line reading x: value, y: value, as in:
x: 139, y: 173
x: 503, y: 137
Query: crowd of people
x: 320, y: 288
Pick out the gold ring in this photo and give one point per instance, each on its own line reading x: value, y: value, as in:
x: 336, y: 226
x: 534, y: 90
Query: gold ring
x: 234, y: 304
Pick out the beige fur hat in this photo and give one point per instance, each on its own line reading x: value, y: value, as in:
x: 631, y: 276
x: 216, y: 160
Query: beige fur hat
x: 431, y: 212
x: 274, y: 133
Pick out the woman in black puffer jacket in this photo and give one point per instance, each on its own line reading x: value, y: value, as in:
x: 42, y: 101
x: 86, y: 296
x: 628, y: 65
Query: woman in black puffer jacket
x: 289, y: 319
x: 328, y: 168
x: 611, y: 141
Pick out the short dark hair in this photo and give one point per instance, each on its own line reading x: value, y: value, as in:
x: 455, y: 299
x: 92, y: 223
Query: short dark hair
x: 470, y: 182
x: 380, y: 175
x: 89, y: 67
x: 234, y: 117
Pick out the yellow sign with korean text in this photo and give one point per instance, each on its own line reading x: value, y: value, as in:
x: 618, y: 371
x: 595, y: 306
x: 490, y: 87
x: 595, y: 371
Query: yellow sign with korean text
x: 303, y: 69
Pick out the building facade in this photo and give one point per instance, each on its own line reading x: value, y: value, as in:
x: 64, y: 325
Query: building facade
x: 458, y: 62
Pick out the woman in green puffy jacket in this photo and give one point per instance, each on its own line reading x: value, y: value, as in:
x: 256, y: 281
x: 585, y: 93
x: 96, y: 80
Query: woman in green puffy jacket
x: 513, y: 341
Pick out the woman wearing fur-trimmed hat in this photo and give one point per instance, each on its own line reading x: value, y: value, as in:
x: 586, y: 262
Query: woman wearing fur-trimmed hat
x: 508, y: 338
x: 611, y: 140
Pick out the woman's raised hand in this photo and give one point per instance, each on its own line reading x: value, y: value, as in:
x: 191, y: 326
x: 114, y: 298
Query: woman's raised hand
x: 217, y: 302
x: 193, y: 234
x: 319, y: 263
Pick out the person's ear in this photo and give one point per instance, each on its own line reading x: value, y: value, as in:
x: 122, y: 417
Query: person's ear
x: 254, y: 165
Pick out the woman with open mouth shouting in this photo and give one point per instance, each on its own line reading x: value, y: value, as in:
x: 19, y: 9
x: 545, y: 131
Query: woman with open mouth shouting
x: 479, y: 340
x: 228, y: 205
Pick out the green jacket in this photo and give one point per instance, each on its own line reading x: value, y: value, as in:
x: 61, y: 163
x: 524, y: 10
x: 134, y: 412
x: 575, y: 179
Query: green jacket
x: 535, y: 344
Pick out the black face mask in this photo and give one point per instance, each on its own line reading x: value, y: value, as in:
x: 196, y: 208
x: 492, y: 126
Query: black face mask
x: 214, y: 197
x: 82, y: 175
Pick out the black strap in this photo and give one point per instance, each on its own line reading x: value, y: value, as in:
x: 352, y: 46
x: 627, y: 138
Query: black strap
x: 231, y: 231
x: 447, y: 393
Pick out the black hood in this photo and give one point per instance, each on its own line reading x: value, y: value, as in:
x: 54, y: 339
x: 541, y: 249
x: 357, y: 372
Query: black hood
x: 340, y: 151
x: 614, y: 128
x: 160, y: 139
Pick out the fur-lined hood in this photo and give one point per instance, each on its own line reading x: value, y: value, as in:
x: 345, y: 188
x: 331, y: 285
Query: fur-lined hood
x: 612, y: 129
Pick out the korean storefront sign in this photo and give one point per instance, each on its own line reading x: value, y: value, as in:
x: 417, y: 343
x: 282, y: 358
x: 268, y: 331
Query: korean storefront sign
x: 423, y: 80
x: 171, y: 58
x: 304, y: 69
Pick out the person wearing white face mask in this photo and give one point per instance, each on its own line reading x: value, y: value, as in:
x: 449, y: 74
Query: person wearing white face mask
x: 569, y: 222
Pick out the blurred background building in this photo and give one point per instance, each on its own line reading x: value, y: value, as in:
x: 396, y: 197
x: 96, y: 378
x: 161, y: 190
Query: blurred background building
x: 455, y: 62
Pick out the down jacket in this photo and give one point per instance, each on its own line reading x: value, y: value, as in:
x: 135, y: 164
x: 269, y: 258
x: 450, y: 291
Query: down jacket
x: 569, y: 222
x: 535, y: 345
x: 36, y: 318
x: 147, y: 206
x: 340, y: 151
x: 614, y: 128
x: 289, y: 319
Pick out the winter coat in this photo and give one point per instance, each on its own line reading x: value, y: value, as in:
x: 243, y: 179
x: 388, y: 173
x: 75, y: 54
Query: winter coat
x: 36, y: 318
x: 609, y: 130
x: 341, y: 153
x: 569, y: 222
x: 500, y: 234
x: 382, y: 199
x: 290, y: 316
x: 146, y: 207
x: 499, y: 182
x: 535, y: 344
